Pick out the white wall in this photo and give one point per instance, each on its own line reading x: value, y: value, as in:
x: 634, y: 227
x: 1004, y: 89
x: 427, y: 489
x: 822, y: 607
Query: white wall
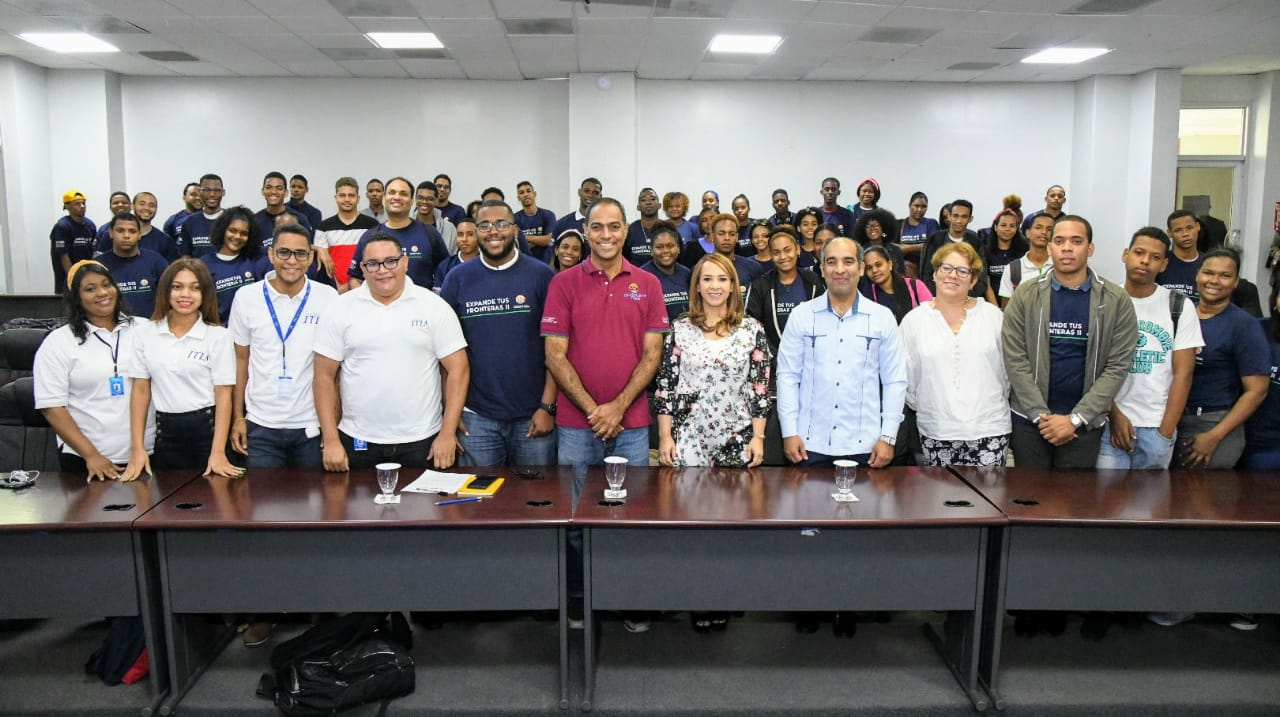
x: 32, y: 205
x: 480, y: 133
x: 979, y: 142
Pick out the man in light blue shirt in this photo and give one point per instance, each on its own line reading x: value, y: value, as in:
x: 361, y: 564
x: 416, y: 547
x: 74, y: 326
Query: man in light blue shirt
x: 842, y: 375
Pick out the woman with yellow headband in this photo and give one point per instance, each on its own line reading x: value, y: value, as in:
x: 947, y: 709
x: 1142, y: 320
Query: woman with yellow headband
x: 79, y: 384
x: 185, y: 364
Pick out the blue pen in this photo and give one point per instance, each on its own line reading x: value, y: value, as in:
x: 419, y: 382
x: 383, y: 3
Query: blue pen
x: 459, y: 500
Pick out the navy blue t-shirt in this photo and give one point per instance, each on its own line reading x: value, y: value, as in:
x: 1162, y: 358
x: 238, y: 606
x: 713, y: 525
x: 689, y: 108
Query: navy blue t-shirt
x: 1181, y: 275
x: 841, y: 217
x: 786, y: 298
x: 919, y: 234
x: 745, y: 247
x: 452, y: 212
x: 568, y: 221
x: 540, y: 223
x: 137, y: 277
x: 229, y: 276
x: 501, y: 316
x: 159, y: 242
x: 174, y: 222
x: 999, y: 259
x: 1262, y: 430
x: 193, y: 235
x: 638, y: 248
x: 303, y: 209
x: 1068, y: 345
x: 422, y: 244
x: 1234, y: 346
x: 75, y: 239
x: 675, y: 287
x: 267, y: 223
x: 748, y: 269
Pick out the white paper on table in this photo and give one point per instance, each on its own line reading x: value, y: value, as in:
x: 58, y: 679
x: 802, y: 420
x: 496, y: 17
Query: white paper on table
x: 436, y: 482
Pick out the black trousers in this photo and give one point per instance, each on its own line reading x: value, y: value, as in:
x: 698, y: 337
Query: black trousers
x: 183, y: 440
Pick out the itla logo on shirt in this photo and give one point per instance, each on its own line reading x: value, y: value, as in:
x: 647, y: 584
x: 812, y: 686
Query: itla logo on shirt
x: 417, y: 323
x: 198, y: 356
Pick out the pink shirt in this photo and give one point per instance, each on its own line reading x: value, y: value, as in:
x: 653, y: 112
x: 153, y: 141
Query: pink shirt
x: 606, y: 322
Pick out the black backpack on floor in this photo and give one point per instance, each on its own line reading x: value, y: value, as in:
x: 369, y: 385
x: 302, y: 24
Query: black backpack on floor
x: 341, y: 663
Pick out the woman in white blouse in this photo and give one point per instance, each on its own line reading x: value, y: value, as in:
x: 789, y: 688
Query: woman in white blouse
x: 186, y: 364
x: 955, y: 372
x: 79, y: 386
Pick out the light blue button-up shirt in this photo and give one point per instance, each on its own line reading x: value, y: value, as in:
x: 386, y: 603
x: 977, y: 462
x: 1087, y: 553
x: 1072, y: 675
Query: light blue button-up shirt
x: 842, y: 380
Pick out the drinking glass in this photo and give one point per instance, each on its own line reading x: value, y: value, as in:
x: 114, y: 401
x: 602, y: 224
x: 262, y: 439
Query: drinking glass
x: 845, y: 473
x: 615, y: 472
x: 388, y: 476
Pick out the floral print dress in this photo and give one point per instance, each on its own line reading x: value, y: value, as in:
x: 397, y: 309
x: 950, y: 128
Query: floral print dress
x: 712, y: 389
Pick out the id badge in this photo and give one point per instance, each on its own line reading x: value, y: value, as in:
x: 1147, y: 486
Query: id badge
x: 359, y: 445
x: 284, y: 386
x: 117, y: 385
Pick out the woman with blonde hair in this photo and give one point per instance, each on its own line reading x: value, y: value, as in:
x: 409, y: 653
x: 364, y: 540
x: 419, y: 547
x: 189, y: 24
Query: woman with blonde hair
x: 956, y: 380
x: 712, y: 394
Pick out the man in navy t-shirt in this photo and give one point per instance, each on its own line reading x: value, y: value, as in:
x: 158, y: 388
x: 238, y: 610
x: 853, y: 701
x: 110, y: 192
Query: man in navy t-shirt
x: 421, y: 243
x: 1054, y: 198
x: 119, y: 202
x: 535, y: 223
x: 298, y: 201
x: 136, y: 270
x: 71, y: 238
x: 782, y: 213
x: 832, y: 212
x: 444, y: 189
x: 511, y: 402
x: 193, y: 235
x: 1068, y: 344
x: 274, y: 191
x: 191, y: 204
x: 639, y: 246
x: 144, y: 206
x: 588, y: 192
x: 1184, y: 262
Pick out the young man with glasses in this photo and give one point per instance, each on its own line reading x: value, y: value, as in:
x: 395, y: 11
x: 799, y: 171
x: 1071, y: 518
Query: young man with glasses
x: 378, y: 360
x: 422, y: 244
x: 510, y: 418
x: 1068, y: 344
x: 193, y: 235
x: 274, y: 329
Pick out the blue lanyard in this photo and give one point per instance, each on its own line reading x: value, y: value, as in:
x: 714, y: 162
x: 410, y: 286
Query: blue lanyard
x: 284, y: 335
x: 115, y: 352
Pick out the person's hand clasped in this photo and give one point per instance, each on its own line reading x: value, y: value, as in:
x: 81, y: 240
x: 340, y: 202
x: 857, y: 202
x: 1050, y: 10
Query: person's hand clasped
x: 1057, y: 430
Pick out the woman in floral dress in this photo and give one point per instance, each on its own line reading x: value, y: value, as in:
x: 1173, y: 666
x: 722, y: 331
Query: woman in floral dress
x: 712, y: 395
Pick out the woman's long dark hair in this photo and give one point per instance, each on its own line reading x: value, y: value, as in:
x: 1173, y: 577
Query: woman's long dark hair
x: 252, y: 247
x: 902, y: 295
x: 76, y: 316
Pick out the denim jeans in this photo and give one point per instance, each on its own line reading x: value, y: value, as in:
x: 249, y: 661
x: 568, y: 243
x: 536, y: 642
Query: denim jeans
x: 1151, y: 451
x: 501, y: 443
x: 282, y: 448
x: 579, y: 447
x: 1264, y: 459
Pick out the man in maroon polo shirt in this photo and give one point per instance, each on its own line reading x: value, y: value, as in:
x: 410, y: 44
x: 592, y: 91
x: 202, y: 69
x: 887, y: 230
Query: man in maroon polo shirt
x: 603, y: 323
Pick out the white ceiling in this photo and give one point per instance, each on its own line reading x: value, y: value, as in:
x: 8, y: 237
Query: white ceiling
x: 893, y: 40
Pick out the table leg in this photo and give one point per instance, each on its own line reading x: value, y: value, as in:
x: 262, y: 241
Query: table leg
x: 562, y: 562
x: 147, y: 570
x: 989, y: 663
x: 960, y: 645
x: 588, y: 627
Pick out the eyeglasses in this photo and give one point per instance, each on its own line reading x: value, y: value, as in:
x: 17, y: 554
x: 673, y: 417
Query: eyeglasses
x: 300, y: 254
x: 501, y: 225
x: 373, y: 265
x: 961, y: 271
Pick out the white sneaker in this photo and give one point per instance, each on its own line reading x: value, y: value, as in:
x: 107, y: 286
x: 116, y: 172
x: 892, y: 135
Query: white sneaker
x: 636, y: 625
x: 1244, y: 621
x: 1169, y: 619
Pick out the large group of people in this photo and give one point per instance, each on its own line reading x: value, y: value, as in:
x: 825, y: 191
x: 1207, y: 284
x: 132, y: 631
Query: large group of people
x: 420, y: 331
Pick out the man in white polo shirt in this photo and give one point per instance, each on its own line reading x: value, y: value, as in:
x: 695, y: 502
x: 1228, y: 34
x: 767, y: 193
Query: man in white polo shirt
x: 379, y: 358
x: 274, y: 331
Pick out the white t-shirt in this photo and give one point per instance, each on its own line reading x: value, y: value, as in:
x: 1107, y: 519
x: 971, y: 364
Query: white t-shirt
x: 1030, y: 272
x: 1145, y: 392
x: 956, y: 381
x: 271, y: 400
x: 183, y: 371
x: 77, y: 376
x: 389, y: 380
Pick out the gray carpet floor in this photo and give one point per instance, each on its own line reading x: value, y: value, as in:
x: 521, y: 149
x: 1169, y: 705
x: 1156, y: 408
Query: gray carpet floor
x: 759, y: 666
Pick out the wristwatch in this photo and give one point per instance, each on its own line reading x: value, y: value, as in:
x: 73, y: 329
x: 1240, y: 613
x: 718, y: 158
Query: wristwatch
x: 550, y: 408
x: 1077, y: 420
x: 891, y: 440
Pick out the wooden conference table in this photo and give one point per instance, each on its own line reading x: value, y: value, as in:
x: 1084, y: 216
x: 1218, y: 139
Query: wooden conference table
x: 67, y: 549
x: 1140, y: 541
x: 772, y: 539
x: 304, y: 541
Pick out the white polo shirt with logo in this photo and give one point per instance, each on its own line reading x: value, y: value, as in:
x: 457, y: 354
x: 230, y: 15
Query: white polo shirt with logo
x: 389, y: 381
x: 278, y: 393
x: 183, y: 371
